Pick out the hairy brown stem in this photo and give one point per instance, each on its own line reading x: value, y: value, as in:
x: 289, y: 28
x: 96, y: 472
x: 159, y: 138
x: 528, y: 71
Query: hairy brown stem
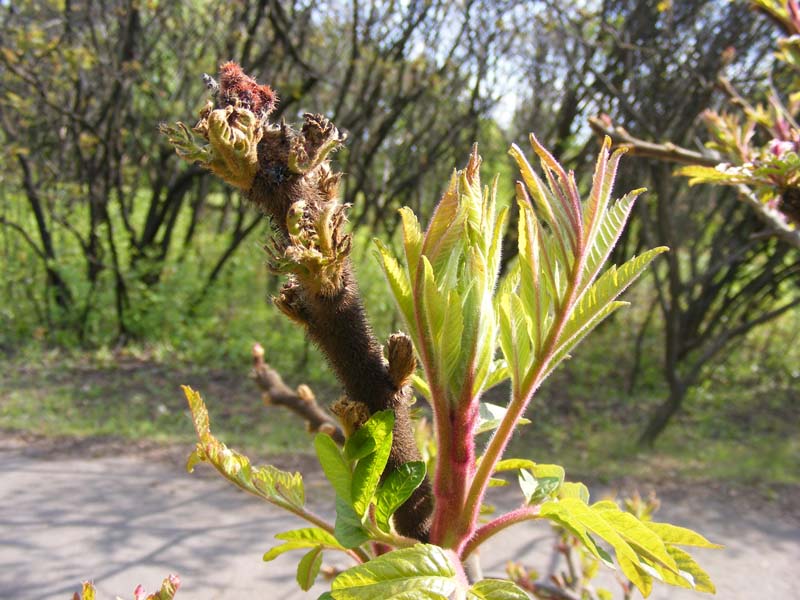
x: 338, y: 325
x: 286, y: 174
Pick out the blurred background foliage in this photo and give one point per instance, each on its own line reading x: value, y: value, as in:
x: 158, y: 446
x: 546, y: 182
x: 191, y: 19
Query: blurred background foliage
x: 124, y: 271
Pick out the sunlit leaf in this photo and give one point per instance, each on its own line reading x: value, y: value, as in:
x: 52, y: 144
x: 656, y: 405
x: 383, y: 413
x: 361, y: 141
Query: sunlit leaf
x: 308, y: 537
x: 421, y: 572
x: 496, y: 589
x: 680, y: 536
x: 334, y: 465
x: 646, y: 542
x: 397, y: 279
x: 690, y: 572
x: 396, y: 489
x: 308, y: 568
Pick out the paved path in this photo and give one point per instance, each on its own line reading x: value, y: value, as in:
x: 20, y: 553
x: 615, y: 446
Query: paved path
x: 127, y: 520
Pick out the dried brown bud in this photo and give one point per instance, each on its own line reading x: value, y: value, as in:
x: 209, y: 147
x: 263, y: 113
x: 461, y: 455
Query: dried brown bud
x: 402, y: 361
x: 305, y: 394
x: 351, y: 414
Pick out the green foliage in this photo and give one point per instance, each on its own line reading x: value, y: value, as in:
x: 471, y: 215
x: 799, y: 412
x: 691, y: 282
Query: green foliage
x: 364, y: 504
x: 644, y: 549
x: 423, y: 572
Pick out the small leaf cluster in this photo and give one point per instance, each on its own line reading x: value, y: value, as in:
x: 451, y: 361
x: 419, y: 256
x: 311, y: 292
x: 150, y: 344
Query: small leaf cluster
x: 169, y: 588
x: 232, y: 134
x: 364, y: 503
x: 644, y: 550
x: 760, y: 144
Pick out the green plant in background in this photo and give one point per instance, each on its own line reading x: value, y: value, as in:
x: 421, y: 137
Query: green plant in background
x: 408, y: 538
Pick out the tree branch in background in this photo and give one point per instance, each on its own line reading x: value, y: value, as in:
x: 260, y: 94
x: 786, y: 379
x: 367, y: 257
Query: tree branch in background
x: 301, y: 401
x: 774, y: 219
x: 669, y: 152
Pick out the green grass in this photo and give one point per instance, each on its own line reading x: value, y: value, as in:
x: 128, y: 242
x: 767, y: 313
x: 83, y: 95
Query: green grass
x: 135, y: 399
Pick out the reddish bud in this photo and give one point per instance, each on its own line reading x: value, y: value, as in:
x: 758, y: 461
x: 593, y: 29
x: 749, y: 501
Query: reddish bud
x: 235, y: 85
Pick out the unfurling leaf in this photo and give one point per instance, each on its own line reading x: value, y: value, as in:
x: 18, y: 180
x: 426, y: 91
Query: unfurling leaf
x: 273, y: 485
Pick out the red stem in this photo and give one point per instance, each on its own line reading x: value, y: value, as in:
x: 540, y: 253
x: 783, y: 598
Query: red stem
x: 454, y: 474
x: 523, y: 513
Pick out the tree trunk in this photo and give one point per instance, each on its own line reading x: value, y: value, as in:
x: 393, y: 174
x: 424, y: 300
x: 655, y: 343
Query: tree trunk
x: 662, y: 415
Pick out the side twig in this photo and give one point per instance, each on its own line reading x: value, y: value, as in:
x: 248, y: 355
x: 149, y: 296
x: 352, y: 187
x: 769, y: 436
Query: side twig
x: 301, y: 401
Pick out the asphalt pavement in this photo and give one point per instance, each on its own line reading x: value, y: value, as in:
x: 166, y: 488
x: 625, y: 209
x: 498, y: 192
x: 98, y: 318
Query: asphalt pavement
x: 125, y: 520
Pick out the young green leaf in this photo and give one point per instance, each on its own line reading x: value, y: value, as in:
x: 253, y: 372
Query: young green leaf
x: 537, y: 488
x: 646, y: 543
x: 412, y: 240
x: 496, y: 589
x: 690, y: 572
x: 558, y: 513
x: 348, y: 529
x: 273, y: 485
x: 512, y: 464
x: 490, y: 415
x: 308, y: 537
x: 308, y: 568
x: 578, y: 513
x: 609, y: 229
x: 369, y: 467
x: 421, y: 572
x: 396, y: 489
x: 378, y: 428
x: 680, y: 536
x: 334, y: 465
x: 397, y: 279
x: 576, y: 490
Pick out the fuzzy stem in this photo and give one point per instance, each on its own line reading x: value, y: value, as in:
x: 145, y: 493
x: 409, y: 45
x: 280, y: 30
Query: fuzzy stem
x: 502, y: 435
x: 454, y: 473
x: 523, y: 513
x: 338, y: 326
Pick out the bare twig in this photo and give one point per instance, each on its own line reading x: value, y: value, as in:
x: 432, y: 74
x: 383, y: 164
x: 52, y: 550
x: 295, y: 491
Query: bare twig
x: 638, y: 147
x: 301, y: 401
